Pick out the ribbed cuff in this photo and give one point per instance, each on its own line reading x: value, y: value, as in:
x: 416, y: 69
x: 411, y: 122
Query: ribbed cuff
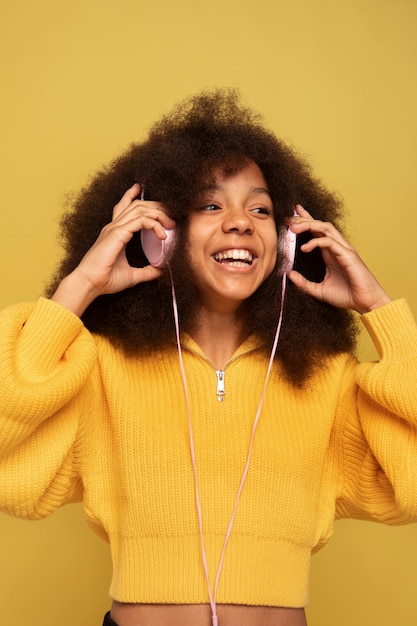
x: 393, y: 330
x: 47, y: 334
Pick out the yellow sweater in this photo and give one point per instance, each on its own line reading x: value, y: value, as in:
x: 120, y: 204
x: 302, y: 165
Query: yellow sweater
x: 80, y: 421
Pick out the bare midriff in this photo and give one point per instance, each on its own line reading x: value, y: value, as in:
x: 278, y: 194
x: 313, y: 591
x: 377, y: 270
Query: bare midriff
x: 200, y: 615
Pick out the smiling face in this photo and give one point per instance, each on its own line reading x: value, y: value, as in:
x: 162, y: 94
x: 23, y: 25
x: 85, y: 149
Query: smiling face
x: 233, y: 239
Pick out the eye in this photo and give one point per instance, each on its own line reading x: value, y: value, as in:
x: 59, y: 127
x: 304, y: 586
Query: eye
x: 262, y: 210
x: 210, y: 207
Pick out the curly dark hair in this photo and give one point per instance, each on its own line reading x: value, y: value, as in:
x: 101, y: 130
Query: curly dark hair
x: 208, y: 132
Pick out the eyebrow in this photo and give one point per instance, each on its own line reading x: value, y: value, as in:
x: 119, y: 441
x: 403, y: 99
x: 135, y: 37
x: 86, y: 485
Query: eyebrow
x: 216, y: 187
x: 260, y: 190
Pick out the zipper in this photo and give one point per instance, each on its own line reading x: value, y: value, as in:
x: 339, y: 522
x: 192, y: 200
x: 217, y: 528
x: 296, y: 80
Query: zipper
x: 220, y: 374
x: 221, y: 391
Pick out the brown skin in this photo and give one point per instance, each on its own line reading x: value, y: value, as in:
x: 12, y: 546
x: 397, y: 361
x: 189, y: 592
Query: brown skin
x: 236, y: 216
x: 200, y: 615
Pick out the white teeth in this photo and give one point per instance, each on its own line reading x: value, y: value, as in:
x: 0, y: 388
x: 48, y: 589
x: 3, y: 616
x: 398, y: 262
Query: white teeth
x: 233, y: 254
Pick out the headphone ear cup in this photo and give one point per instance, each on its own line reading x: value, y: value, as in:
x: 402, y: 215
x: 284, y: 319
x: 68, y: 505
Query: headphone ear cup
x: 288, y: 245
x: 157, y: 250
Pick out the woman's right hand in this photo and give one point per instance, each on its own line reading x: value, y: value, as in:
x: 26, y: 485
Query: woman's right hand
x: 104, y: 269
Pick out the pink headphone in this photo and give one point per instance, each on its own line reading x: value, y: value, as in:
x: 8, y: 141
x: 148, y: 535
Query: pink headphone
x: 157, y: 250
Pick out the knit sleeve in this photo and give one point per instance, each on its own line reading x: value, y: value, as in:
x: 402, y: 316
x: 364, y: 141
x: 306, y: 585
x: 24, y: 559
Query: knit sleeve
x: 378, y: 424
x: 46, y: 356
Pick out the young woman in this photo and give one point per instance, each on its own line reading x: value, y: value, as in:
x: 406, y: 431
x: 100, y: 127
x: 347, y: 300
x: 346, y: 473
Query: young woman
x: 213, y: 453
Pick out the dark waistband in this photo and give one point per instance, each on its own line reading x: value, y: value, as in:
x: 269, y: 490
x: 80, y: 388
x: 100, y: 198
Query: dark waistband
x: 108, y: 620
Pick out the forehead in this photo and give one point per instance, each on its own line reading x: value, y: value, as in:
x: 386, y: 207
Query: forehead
x: 248, y: 178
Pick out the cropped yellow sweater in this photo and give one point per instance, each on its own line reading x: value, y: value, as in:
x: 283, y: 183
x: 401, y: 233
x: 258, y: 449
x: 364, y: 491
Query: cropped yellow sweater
x: 80, y: 421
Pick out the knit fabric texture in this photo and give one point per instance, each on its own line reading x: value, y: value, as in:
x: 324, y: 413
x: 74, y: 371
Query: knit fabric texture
x: 82, y: 422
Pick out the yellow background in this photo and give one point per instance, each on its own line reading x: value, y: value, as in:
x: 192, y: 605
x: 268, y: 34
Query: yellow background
x: 81, y: 80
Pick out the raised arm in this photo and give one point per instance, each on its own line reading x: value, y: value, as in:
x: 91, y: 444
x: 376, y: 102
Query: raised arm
x: 104, y: 269
x: 348, y: 282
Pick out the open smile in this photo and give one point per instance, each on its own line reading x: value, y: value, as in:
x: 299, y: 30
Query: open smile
x: 237, y: 257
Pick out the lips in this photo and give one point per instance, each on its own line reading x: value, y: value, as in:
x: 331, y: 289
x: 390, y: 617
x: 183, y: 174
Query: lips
x: 236, y: 256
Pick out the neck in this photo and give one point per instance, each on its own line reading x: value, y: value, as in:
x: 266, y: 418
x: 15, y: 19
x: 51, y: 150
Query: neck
x: 218, y: 335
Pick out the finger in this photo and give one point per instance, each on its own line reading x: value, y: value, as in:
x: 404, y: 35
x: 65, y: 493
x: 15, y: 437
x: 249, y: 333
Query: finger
x: 332, y: 247
x: 132, y: 277
x: 156, y: 213
x: 159, y: 224
x: 306, y: 286
x: 145, y: 274
x: 127, y: 199
x: 300, y: 216
x: 318, y: 229
x: 301, y: 211
x: 138, y: 216
x: 131, y: 201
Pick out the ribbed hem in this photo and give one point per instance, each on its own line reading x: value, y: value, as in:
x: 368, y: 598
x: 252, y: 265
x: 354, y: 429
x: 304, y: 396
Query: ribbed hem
x: 168, y: 570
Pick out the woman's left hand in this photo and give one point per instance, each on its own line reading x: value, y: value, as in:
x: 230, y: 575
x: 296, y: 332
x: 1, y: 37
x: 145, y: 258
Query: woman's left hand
x: 348, y: 283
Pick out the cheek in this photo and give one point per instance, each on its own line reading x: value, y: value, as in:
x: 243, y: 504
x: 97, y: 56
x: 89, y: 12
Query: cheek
x: 196, y: 243
x: 194, y: 253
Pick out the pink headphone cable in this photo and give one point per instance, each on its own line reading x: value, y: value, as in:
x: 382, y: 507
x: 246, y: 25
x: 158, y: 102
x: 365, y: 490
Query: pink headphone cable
x: 212, y: 596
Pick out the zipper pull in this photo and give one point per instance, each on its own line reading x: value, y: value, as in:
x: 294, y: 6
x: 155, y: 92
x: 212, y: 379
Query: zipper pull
x: 220, y: 385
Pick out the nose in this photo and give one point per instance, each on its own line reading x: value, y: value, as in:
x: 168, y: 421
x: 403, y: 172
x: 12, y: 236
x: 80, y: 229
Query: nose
x: 237, y: 220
